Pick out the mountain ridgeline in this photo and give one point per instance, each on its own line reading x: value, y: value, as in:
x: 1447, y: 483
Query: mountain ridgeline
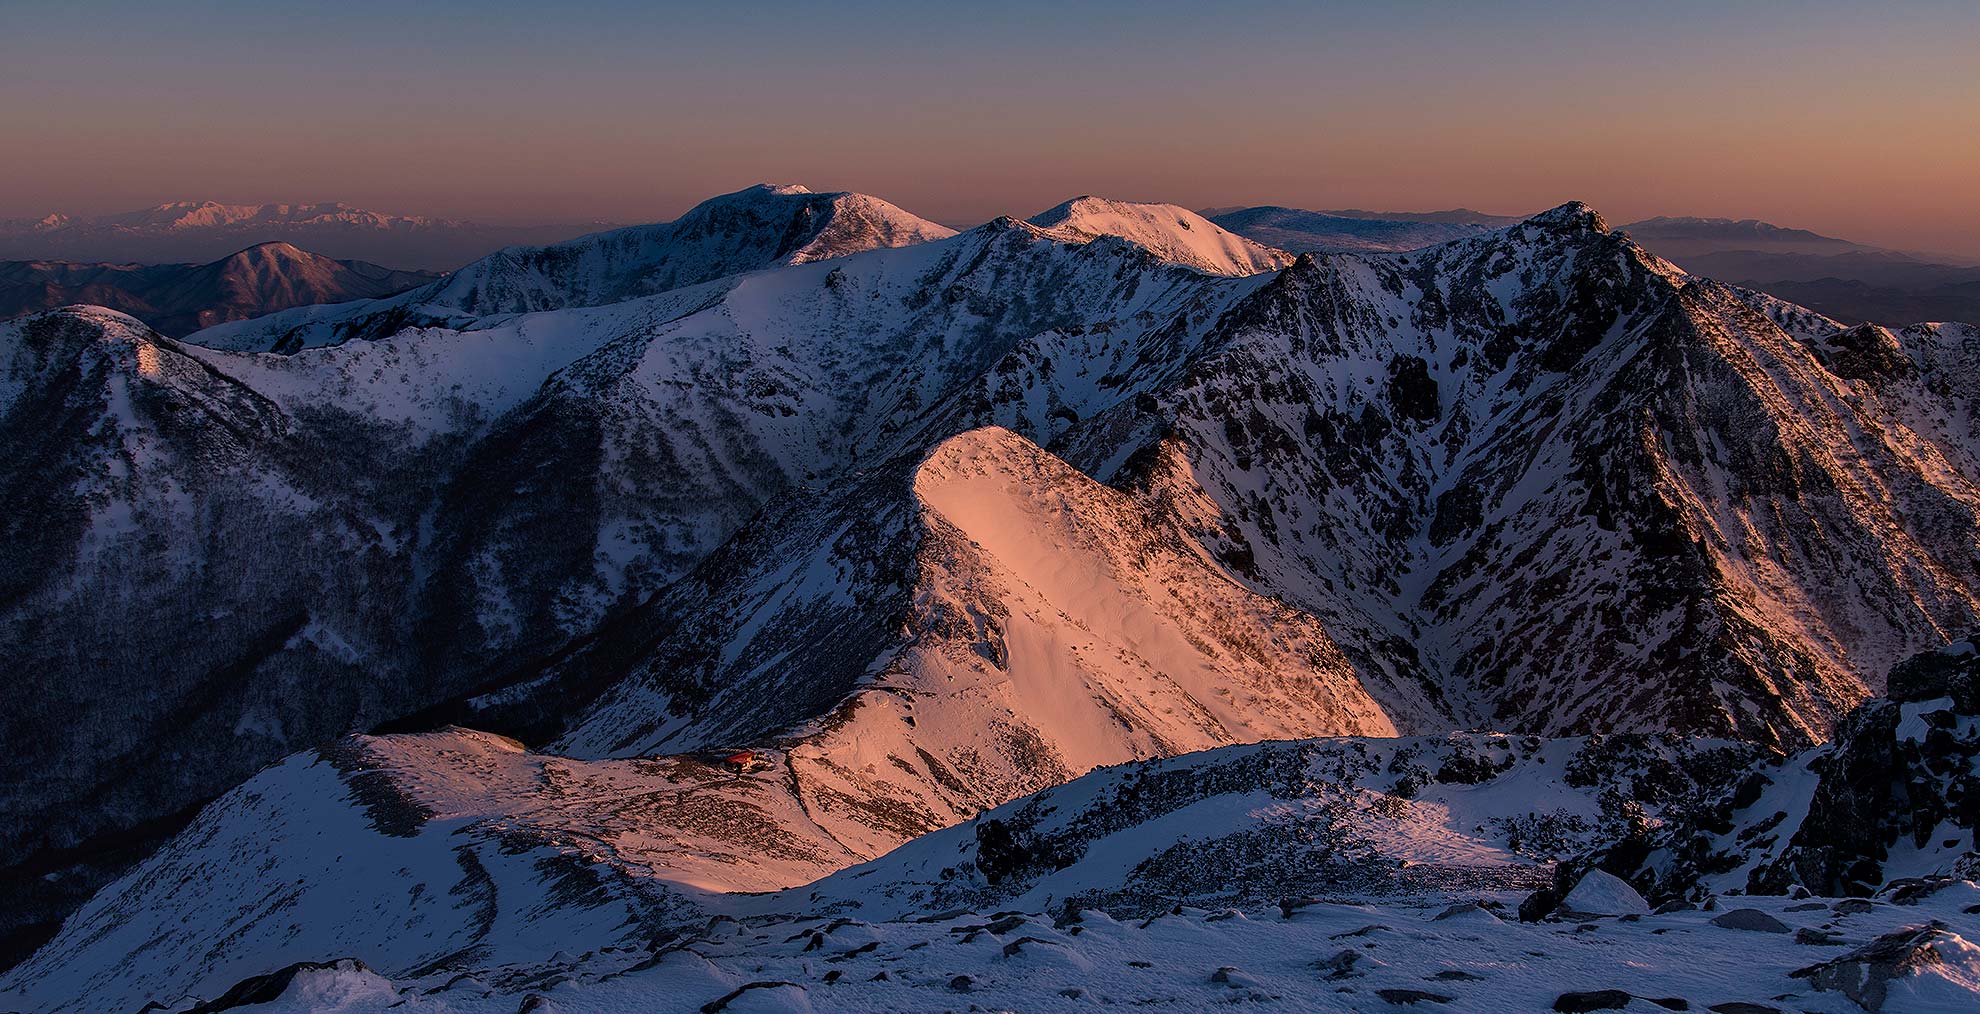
x: 178, y: 299
x: 746, y: 231
x: 928, y: 521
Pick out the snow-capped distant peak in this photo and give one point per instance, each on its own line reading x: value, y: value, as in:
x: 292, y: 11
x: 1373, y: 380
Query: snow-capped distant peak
x: 1165, y: 230
x: 854, y: 222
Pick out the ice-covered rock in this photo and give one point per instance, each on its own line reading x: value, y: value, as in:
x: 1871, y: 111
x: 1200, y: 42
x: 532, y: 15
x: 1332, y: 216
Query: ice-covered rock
x: 1915, y: 969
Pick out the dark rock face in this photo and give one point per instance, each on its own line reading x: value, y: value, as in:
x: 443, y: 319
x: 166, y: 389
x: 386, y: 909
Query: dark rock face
x: 1878, y: 787
x: 1412, y: 391
x: 1886, y: 780
x: 1868, y: 353
x: 1953, y: 672
x: 1844, y: 835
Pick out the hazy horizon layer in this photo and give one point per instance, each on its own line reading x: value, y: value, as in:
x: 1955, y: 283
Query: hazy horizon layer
x: 1856, y: 123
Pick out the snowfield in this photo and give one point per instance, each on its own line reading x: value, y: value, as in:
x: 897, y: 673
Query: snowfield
x: 1443, y: 954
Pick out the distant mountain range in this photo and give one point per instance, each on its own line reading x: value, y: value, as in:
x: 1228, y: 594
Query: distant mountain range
x: 202, y: 231
x: 1850, y: 282
x: 1354, y: 231
x: 1847, y: 281
x: 178, y: 299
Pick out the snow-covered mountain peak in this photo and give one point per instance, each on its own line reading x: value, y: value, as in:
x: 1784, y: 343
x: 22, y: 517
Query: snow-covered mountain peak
x: 1170, y: 232
x: 1014, y: 578
x: 1573, y: 214
x: 774, y: 189
x: 275, y: 252
x: 797, y: 224
x: 113, y: 321
x: 965, y: 454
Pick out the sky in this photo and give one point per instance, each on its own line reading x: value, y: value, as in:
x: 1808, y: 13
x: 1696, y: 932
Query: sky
x: 1855, y: 120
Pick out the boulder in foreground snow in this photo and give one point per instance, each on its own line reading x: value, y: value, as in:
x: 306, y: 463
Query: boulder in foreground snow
x: 1601, y: 893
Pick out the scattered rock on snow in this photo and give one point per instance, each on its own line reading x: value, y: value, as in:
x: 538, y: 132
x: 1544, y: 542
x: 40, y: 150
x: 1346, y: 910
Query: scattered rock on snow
x: 722, y: 1003
x: 1749, y: 919
x: 1591, y: 1000
x: 1539, y: 905
x: 1469, y: 911
x: 1232, y: 976
x: 1403, y: 997
x: 1345, y: 964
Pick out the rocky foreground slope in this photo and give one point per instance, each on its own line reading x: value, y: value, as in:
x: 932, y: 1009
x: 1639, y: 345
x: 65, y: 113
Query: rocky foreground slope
x: 458, y: 872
